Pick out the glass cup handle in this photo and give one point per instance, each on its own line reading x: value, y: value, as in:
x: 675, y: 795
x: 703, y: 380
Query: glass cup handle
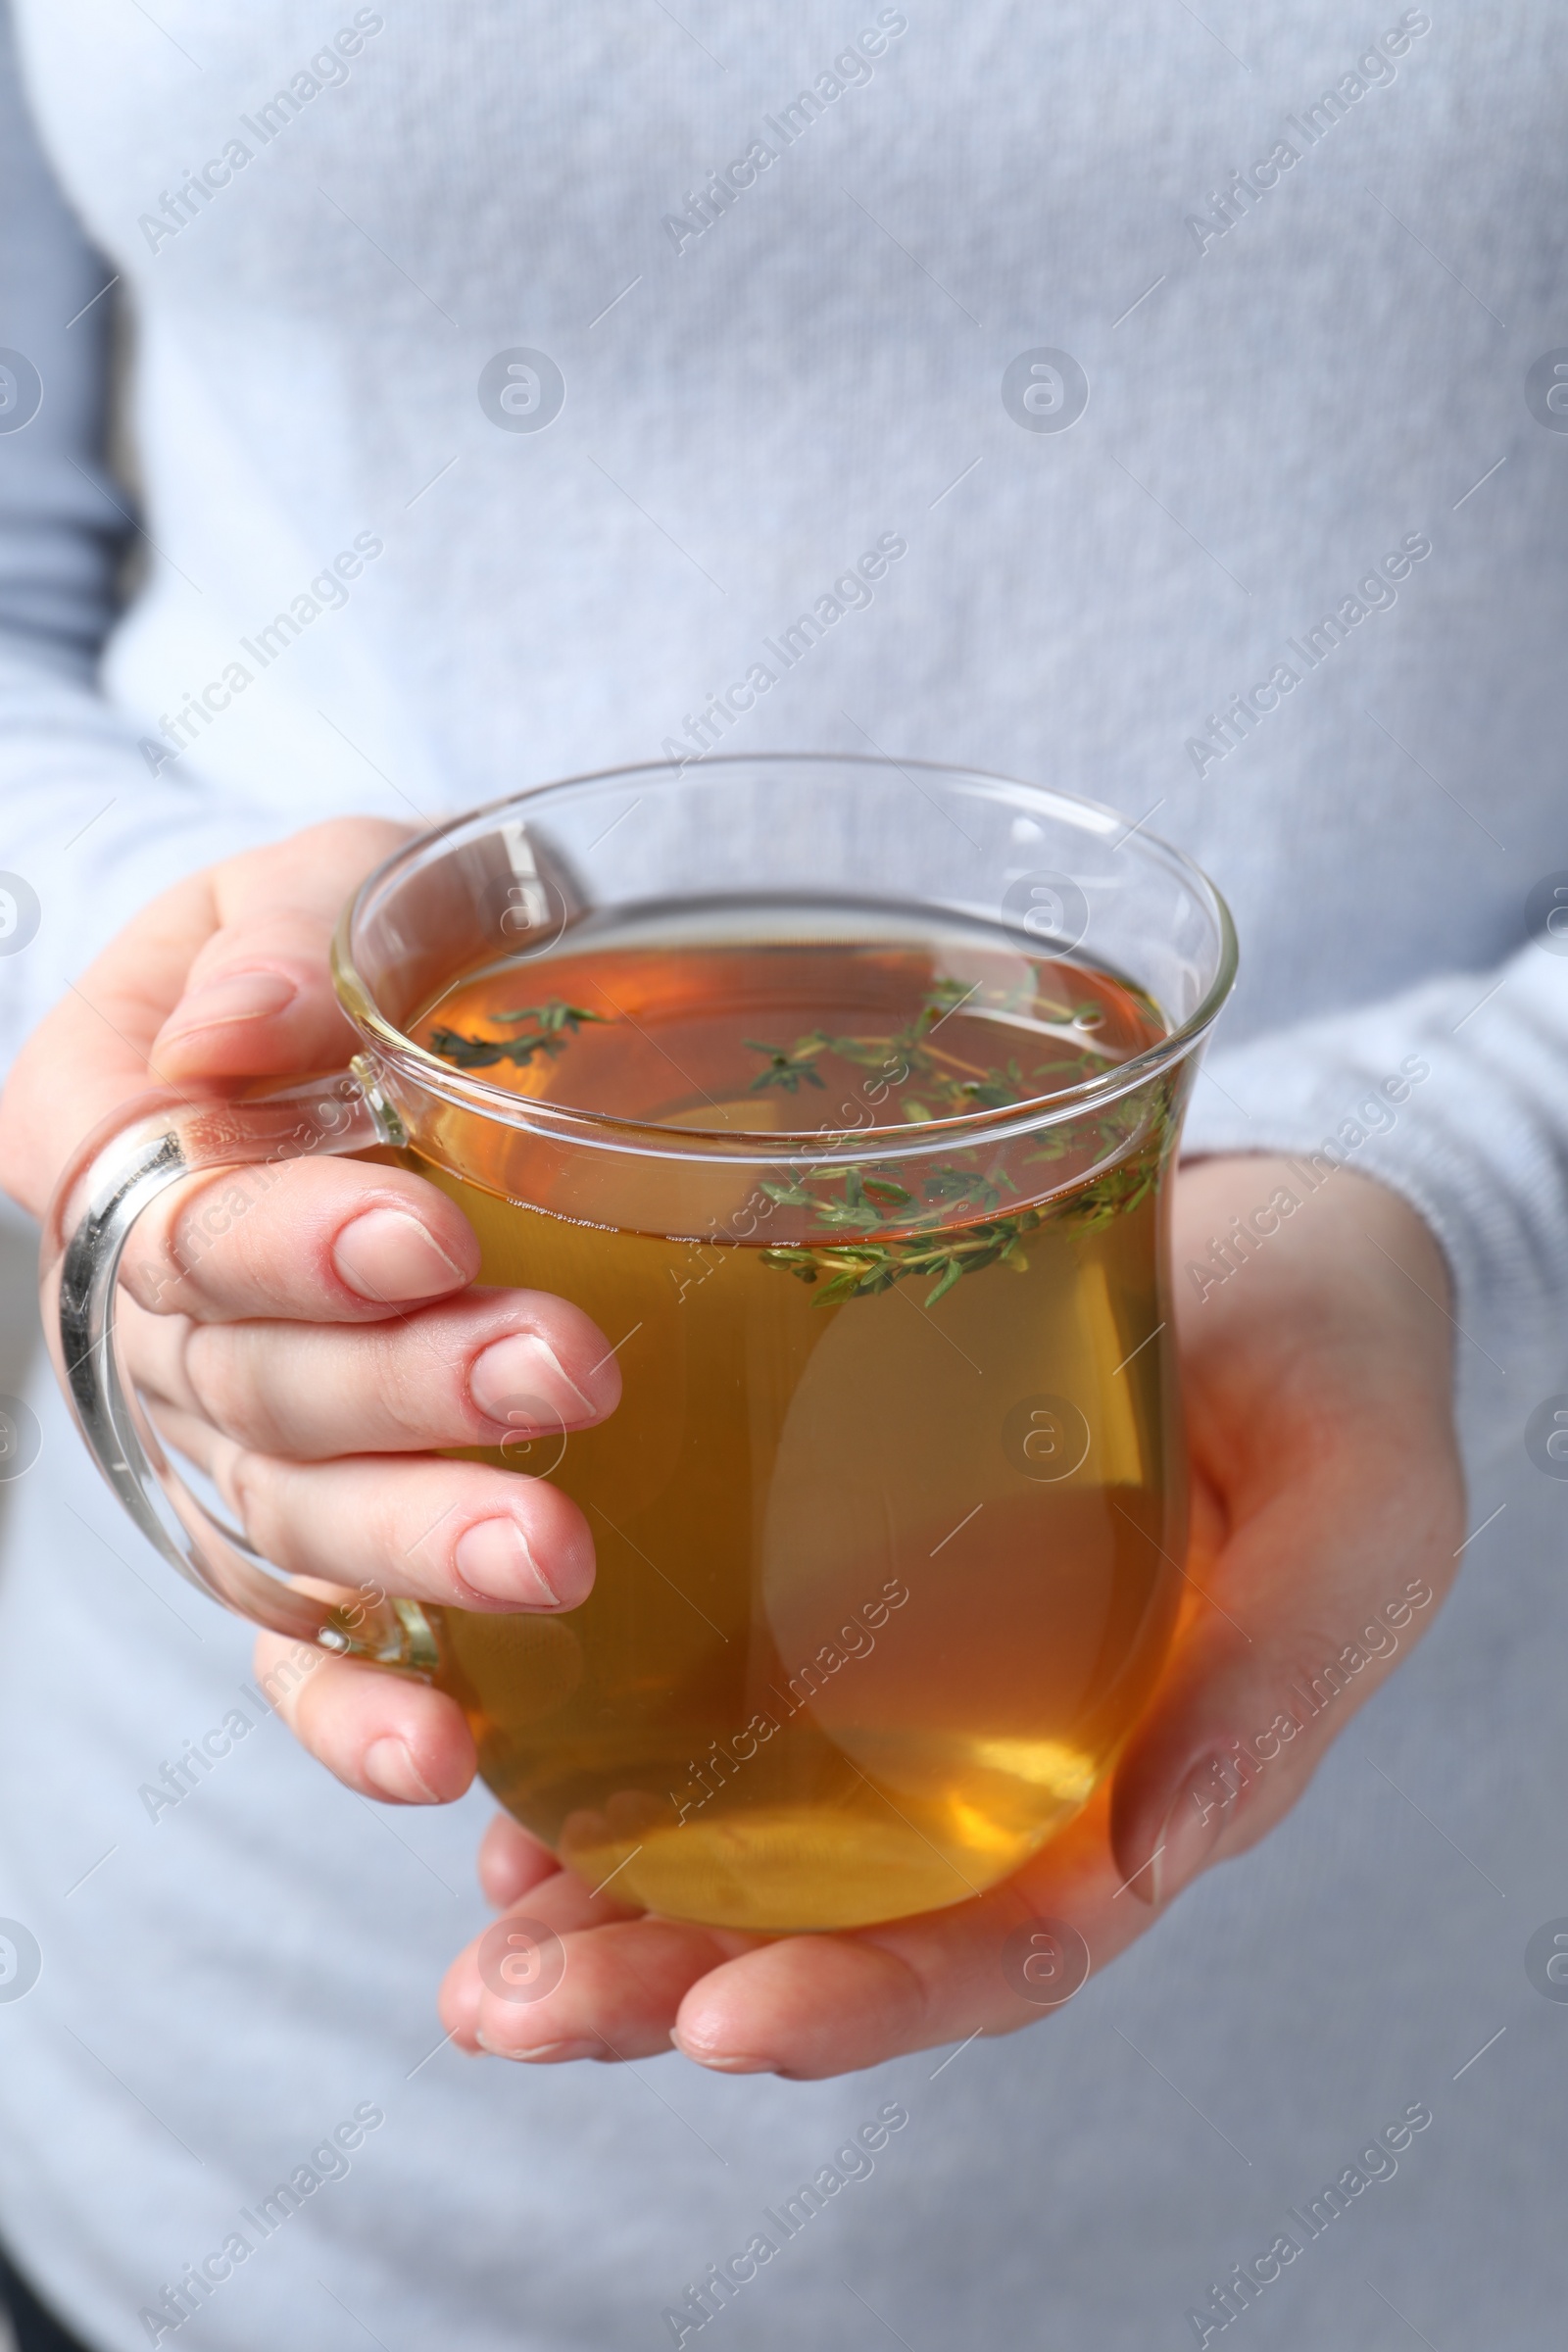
x: 137, y: 1153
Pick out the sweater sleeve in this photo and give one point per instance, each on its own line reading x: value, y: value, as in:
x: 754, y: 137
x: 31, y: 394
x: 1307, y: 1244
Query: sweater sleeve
x: 1455, y: 1094
x: 87, y: 831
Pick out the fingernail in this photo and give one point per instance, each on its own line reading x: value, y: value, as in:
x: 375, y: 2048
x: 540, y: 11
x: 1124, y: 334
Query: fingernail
x: 238, y: 996
x: 541, y: 2049
x: 522, y: 1371
x: 391, y: 1771
x: 725, y: 2062
x: 492, y: 1557
x: 387, y: 1255
x: 1189, y: 1831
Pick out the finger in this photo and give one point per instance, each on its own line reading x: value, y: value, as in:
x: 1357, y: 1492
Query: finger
x: 618, y: 1991
x: 332, y: 1240
x: 471, y: 1371
x: 383, y: 1735
x: 567, y: 1906
x: 1314, y: 1599
x: 512, y: 1861
x: 555, y: 1906
x: 806, y: 2006
x: 258, y: 998
x: 459, y: 1533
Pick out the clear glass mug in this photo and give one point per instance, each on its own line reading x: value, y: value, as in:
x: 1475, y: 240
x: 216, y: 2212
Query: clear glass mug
x: 886, y: 1566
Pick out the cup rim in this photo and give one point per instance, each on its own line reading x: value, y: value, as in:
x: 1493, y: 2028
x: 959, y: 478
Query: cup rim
x: 563, y: 1122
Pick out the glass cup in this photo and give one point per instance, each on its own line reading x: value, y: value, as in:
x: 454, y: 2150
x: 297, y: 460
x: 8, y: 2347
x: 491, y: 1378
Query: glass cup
x: 886, y: 1556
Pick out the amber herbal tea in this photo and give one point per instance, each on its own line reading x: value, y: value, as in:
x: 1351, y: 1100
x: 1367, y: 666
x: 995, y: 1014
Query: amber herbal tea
x: 886, y: 1518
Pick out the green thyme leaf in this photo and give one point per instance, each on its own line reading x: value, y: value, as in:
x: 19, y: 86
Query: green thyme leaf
x: 800, y: 1263
x: 557, y: 1024
x: 788, y: 1064
x: 553, y: 1016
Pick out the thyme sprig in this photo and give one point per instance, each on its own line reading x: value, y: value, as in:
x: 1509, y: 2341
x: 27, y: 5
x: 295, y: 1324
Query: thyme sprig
x: 908, y: 1058
x: 557, y: 1024
x: 927, y: 1244
x: 788, y: 1066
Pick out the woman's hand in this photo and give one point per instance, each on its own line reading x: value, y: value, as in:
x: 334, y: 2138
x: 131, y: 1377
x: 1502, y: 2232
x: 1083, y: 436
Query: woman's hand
x: 310, y: 1358
x: 1326, y: 1514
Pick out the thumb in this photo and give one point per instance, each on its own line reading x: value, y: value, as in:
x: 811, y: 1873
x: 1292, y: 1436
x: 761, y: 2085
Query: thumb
x: 258, y: 998
x: 1310, y: 1604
